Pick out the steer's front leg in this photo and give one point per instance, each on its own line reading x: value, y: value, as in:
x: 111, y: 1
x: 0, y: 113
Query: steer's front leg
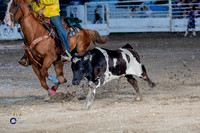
x: 91, y: 95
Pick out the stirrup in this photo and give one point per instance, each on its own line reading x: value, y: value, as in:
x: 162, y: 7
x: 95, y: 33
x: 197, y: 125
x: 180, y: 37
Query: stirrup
x: 65, y: 58
x: 69, y: 55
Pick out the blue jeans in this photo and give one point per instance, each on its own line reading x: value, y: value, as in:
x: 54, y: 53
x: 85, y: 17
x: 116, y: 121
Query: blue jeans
x: 57, y: 23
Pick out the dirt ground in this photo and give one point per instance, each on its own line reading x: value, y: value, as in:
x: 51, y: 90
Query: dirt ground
x: 172, y: 62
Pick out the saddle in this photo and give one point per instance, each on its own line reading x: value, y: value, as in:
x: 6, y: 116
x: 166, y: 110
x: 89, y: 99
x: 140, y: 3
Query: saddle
x: 72, y: 25
x: 69, y: 23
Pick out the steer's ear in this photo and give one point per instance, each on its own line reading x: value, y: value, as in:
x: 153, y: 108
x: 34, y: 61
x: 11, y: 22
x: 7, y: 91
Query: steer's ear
x: 88, y: 57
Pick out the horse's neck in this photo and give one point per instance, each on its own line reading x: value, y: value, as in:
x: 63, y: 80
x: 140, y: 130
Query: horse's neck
x: 31, y: 28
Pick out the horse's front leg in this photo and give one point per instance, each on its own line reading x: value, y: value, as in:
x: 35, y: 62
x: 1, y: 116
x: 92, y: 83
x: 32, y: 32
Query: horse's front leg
x: 44, y: 73
x: 58, y: 67
x: 60, y: 79
x: 42, y: 79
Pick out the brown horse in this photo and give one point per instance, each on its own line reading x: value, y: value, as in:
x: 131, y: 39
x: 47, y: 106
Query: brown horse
x: 44, y: 51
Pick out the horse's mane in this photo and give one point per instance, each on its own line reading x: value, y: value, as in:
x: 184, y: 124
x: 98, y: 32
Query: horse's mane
x: 28, y: 3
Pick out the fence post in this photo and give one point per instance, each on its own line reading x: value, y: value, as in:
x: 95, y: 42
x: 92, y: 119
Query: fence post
x: 170, y: 14
x: 85, y: 14
x: 107, y: 17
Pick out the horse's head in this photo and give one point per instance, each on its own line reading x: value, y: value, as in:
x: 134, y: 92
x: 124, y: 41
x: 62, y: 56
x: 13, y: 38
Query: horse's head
x: 16, y: 10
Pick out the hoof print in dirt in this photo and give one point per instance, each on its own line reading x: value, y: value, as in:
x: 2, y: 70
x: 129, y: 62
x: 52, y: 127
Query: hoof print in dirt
x: 62, y: 97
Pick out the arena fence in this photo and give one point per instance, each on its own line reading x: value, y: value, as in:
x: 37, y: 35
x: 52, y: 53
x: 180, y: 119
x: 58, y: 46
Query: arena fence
x: 140, y: 16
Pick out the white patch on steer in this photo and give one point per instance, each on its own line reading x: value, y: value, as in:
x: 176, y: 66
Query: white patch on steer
x: 99, y: 80
x: 75, y: 60
x: 7, y: 19
x: 133, y: 67
x: 115, y: 62
x: 88, y: 57
x: 108, y: 75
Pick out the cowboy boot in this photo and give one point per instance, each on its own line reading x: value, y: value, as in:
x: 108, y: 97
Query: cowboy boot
x: 194, y: 32
x: 186, y: 33
x: 24, y: 61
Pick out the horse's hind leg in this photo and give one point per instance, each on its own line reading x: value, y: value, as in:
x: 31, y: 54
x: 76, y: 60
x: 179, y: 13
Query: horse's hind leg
x: 146, y: 78
x: 83, y: 44
x: 133, y: 82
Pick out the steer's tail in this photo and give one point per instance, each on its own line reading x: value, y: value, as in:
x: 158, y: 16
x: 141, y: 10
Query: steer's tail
x: 146, y: 78
x: 95, y: 37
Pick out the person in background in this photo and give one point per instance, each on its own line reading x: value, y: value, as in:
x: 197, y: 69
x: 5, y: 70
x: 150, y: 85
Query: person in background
x: 97, y: 19
x: 179, y: 10
x: 141, y: 13
x: 191, y: 22
x: 51, y: 9
x: 133, y: 13
x: 148, y: 12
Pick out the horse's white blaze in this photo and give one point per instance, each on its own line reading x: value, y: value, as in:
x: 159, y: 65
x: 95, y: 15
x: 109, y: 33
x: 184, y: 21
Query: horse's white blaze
x: 133, y: 67
x: 108, y: 75
x: 7, y: 19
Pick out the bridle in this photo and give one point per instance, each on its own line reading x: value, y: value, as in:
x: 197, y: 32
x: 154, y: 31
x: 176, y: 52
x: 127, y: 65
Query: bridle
x: 12, y: 15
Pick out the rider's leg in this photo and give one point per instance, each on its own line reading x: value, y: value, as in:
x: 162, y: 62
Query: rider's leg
x: 57, y: 22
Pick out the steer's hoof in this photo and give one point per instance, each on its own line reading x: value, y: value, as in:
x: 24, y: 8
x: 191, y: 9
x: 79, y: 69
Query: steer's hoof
x: 88, y: 103
x: 152, y: 84
x: 138, y: 97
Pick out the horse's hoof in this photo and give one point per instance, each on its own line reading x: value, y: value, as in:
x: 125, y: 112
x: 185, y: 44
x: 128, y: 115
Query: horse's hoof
x: 47, y: 98
x: 61, y: 79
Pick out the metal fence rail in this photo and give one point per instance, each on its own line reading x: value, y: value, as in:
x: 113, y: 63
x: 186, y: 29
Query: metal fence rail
x: 140, y: 16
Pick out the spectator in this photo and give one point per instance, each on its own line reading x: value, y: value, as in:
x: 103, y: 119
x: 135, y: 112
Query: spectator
x: 148, y: 12
x: 185, y: 13
x: 141, y: 13
x: 133, y: 13
x: 191, y: 22
x: 175, y: 12
x: 179, y: 10
x: 97, y: 19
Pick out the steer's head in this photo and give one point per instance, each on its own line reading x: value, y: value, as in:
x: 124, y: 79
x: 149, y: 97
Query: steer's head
x: 81, y: 67
x: 16, y: 10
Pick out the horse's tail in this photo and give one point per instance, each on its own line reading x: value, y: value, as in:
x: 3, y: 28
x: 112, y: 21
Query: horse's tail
x: 95, y: 37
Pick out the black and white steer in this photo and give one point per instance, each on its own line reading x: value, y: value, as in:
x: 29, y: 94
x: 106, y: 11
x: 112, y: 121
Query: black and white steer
x: 101, y: 65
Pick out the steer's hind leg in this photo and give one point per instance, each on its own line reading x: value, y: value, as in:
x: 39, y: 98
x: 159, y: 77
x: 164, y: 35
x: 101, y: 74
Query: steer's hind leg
x: 133, y: 82
x: 146, y: 78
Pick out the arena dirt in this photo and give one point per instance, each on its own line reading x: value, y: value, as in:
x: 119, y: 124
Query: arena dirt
x: 172, y: 62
